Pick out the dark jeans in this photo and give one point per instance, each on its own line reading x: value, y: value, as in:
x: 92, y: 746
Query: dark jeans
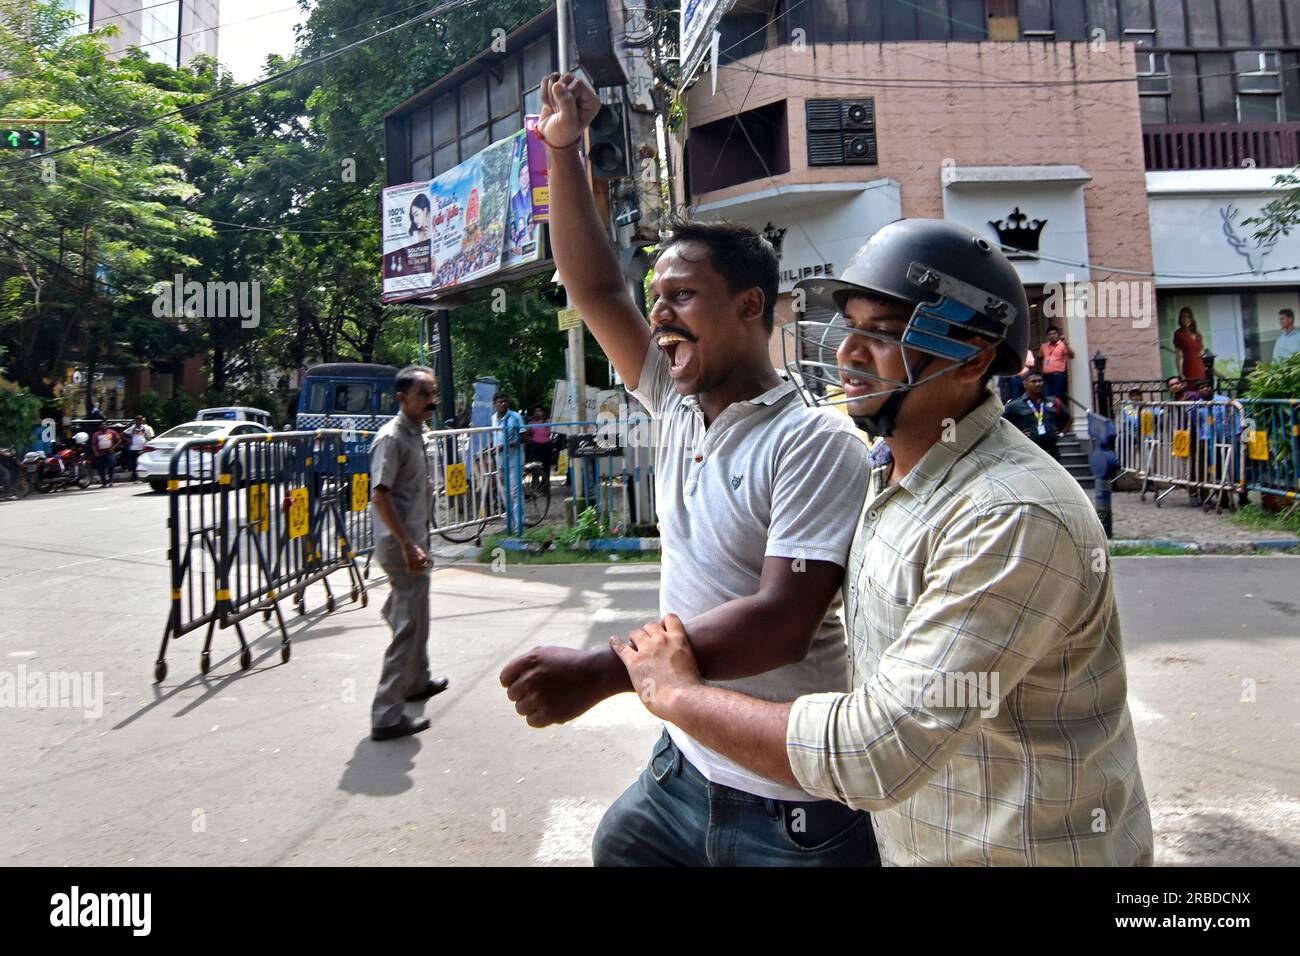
x: 129, y: 459
x: 673, y: 816
x: 1055, y: 384
x: 104, y: 465
x: 541, y: 453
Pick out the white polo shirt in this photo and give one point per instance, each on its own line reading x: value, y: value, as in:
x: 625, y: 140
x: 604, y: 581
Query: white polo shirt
x: 769, y: 477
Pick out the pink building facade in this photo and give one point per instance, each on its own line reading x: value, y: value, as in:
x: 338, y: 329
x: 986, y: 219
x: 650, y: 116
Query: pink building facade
x: 1037, y: 145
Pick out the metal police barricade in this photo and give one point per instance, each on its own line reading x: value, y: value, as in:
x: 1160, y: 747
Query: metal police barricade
x: 273, y: 519
x: 195, y: 545
x: 354, y: 489
x: 1192, y: 445
x: 610, y: 468
x: 468, y: 482
x: 1272, y: 447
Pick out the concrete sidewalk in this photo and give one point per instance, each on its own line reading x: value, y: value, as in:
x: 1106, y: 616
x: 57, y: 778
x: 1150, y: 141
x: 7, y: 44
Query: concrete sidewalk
x: 1175, y: 520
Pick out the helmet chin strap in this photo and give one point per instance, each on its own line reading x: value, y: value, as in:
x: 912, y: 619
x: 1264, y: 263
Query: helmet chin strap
x: 881, y: 424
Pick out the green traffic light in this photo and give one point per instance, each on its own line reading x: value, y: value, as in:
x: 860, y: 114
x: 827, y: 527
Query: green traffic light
x: 14, y: 138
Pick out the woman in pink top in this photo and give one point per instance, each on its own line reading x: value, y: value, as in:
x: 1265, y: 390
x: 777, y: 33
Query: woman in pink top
x: 1190, y: 346
x: 537, y: 446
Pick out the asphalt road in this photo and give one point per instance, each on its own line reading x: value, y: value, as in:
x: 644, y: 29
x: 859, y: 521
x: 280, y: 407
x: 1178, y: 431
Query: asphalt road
x: 274, y: 765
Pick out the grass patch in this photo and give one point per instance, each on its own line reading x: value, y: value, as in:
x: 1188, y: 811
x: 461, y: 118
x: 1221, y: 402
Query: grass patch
x: 1253, y: 516
x: 1145, y: 551
x: 560, y: 555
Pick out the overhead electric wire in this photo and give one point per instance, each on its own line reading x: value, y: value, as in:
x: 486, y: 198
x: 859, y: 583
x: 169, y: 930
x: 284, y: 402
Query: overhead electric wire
x: 189, y: 109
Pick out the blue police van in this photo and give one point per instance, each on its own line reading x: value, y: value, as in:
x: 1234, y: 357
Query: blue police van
x: 348, y: 395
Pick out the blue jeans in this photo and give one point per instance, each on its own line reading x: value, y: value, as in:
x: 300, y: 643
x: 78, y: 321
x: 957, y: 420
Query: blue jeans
x: 673, y: 816
x: 1055, y: 384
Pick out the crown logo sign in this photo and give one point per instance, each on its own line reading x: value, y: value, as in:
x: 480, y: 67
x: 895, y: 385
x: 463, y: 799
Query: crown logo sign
x: 1018, y: 232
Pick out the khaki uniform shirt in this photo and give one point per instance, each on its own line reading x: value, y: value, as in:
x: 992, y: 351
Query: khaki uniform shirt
x: 399, y: 463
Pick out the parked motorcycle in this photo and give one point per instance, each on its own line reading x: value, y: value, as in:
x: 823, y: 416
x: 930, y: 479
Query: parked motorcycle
x: 67, y: 467
x: 13, y: 477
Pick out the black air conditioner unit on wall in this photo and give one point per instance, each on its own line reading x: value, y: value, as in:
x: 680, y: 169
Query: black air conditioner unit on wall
x: 841, y: 132
x: 594, y: 38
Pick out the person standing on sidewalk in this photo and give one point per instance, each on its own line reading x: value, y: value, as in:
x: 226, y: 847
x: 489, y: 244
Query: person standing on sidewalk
x: 399, y: 509
x: 137, y: 436
x: 1044, y: 419
x: 1056, y: 354
x: 508, y: 440
x: 104, y: 445
x: 538, y: 447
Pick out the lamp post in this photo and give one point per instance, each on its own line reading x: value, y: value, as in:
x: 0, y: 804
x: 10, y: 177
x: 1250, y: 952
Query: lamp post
x: 1101, y: 387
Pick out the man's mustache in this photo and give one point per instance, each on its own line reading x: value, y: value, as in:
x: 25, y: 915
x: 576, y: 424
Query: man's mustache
x: 676, y: 330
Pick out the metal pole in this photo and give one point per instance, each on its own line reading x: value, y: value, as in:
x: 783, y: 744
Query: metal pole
x: 577, y: 349
x: 442, y: 320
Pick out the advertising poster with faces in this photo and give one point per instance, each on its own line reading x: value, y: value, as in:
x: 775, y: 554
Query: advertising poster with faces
x: 522, y: 232
x: 407, y: 230
x: 469, y: 215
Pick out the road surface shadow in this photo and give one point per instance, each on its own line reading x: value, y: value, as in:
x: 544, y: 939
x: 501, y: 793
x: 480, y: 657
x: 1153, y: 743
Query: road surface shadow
x: 381, y: 768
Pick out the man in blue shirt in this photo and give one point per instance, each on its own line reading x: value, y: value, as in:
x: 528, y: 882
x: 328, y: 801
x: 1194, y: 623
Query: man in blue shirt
x: 1288, y: 343
x: 510, y: 427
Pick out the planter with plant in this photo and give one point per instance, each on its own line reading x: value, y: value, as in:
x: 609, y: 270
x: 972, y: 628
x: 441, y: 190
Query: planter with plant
x: 1277, y: 380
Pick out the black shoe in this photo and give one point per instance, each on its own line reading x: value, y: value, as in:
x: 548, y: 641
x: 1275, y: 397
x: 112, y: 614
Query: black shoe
x: 431, y: 689
x: 403, y: 728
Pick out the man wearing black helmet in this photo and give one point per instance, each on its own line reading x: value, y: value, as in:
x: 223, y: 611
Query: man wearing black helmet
x: 989, y: 722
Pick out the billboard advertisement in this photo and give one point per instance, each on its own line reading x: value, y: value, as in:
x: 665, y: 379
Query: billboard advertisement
x: 407, y: 230
x: 470, y: 222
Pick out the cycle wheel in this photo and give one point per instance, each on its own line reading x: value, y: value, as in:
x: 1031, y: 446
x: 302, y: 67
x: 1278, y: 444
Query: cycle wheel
x: 466, y: 533
x: 537, y: 502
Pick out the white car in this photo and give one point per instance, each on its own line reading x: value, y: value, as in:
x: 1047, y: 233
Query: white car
x: 154, y: 463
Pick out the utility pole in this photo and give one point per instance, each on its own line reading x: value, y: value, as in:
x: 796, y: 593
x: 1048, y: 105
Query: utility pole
x: 577, y: 334
x: 92, y: 348
x: 577, y: 346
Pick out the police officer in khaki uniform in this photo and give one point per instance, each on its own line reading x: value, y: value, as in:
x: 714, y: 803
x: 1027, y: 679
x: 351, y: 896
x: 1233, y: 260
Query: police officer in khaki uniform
x: 399, y: 508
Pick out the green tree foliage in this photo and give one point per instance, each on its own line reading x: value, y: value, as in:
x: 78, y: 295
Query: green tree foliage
x: 20, y: 410
x: 84, y: 237
x: 1281, y: 215
x: 280, y: 185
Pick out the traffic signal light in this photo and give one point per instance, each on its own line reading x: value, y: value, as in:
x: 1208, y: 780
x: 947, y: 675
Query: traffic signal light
x: 22, y: 138
x: 608, y: 150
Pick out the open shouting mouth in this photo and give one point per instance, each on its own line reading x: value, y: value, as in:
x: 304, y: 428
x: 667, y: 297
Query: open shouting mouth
x: 680, y: 350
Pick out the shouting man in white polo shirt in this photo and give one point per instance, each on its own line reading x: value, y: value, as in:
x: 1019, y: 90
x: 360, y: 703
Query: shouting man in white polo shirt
x: 757, y: 496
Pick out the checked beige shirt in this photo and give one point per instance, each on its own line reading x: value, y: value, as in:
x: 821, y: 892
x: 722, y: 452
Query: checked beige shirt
x: 989, y: 724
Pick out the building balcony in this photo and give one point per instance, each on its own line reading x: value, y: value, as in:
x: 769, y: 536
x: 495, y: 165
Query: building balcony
x: 1179, y: 146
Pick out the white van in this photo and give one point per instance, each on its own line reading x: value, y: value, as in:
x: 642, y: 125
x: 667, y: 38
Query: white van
x: 234, y: 413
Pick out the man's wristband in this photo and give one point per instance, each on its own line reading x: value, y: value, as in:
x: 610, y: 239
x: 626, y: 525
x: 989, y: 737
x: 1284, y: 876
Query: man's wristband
x: 556, y: 145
